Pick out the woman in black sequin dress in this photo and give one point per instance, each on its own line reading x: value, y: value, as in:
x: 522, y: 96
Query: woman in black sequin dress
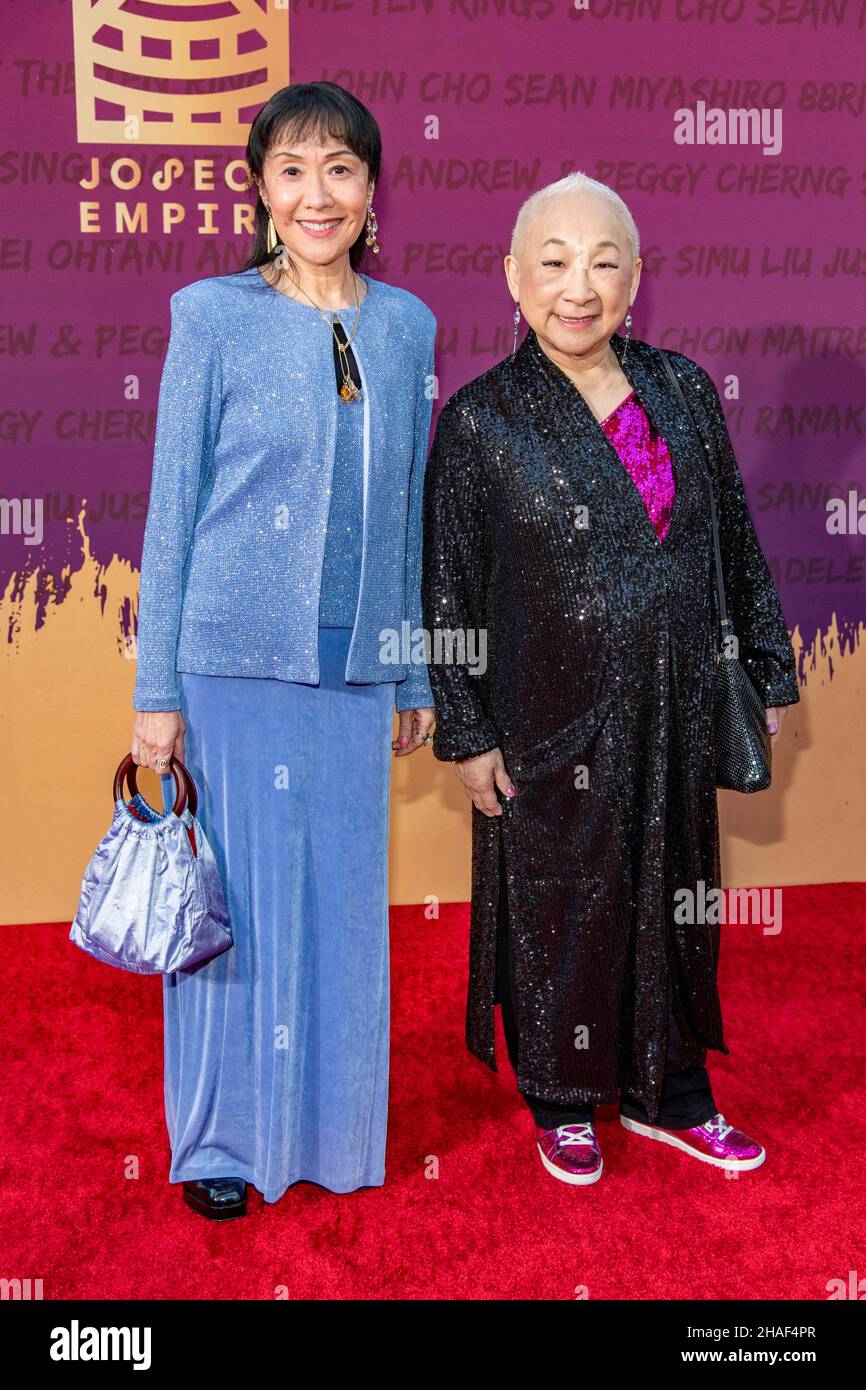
x: 596, y: 701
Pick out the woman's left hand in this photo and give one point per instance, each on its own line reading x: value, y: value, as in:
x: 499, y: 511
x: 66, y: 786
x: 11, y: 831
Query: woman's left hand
x: 775, y: 717
x: 414, y: 727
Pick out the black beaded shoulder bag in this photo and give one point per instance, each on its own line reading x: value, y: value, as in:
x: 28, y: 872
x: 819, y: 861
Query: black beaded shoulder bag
x: 743, y: 747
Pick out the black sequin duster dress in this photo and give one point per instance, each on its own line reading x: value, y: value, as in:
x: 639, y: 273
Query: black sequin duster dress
x: 600, y: 655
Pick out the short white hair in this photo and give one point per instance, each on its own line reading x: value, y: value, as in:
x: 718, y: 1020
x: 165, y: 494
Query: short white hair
x: 577, y: 182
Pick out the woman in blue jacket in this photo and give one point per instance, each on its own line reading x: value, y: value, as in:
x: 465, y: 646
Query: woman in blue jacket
x: 279, y: 625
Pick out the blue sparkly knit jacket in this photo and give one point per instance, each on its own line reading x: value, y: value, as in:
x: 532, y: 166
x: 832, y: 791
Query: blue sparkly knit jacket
x: 237, y: 520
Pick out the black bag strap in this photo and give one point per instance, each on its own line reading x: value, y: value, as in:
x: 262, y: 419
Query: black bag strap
x: 724, y: 620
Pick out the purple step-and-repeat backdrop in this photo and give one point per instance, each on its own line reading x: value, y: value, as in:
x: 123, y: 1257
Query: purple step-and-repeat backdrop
x: 733, y: 129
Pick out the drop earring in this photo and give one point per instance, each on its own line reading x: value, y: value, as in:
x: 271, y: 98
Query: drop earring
x: 272, y: 242
x: 628, y: 323
x: 516, y: 325
x: 372, y: 229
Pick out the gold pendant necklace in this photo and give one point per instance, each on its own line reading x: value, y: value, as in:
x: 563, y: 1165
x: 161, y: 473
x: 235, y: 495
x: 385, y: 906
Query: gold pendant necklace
x: 349, y: 391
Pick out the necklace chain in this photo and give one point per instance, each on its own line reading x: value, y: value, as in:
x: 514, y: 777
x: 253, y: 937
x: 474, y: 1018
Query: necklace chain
x: 349, y: 391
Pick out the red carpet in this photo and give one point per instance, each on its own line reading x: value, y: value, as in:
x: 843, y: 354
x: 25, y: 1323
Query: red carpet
x: 82, y: 1100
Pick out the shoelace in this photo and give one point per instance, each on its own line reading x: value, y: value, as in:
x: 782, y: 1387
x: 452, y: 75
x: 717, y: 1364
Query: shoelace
x: 567, y: 1135
x: 718, y: 1125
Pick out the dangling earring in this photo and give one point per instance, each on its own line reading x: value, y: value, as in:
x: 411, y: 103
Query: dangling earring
x: 516, y: 325
x: 272, y: 242
x: 372, y: 229
x: 628, y: 323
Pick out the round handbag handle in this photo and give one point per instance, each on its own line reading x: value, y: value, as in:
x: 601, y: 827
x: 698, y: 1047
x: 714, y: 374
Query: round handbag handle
x: 186, y: 792
x: 191, y: 793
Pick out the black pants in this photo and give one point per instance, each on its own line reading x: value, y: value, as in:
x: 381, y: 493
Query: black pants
x: 687, y: 1097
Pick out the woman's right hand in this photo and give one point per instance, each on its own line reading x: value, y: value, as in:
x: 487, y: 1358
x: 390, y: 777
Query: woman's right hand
x: 481, y: 776
x: 157, y: 734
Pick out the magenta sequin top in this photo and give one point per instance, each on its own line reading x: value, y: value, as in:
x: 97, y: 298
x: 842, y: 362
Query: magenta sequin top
x: 645, y: 454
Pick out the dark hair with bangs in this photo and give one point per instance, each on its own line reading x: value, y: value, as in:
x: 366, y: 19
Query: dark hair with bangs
x: 311, y: 111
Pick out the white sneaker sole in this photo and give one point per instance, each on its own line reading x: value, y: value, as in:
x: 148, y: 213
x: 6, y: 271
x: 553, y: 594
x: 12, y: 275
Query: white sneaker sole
x: 740, y: 1164
x: 574, y: 1179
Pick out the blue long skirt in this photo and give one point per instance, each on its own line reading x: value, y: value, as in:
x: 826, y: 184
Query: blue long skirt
x: 276, y: 1051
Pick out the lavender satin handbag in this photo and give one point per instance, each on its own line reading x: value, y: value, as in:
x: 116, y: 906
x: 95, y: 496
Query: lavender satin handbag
x: 151, y: 897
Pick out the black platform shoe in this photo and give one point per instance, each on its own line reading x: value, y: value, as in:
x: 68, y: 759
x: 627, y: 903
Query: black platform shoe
x: 220, y: 1199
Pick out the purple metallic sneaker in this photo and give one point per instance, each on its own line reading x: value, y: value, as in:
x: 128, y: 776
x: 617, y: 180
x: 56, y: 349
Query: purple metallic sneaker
x: 571, y: 1153
x: 714, y: 1142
